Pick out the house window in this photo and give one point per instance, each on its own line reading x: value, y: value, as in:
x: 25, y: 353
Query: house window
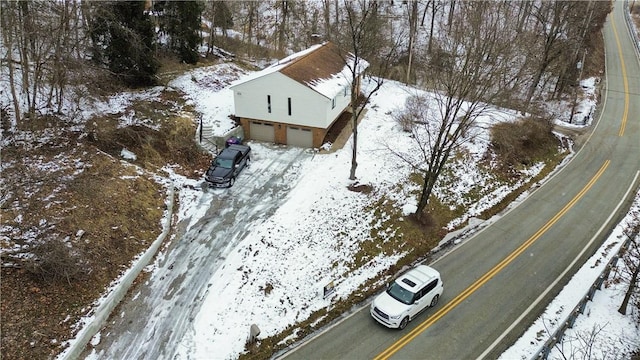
x: 269, y: 104
x: 289, y: 103
x: 346, y: 91
x: 333, y: 103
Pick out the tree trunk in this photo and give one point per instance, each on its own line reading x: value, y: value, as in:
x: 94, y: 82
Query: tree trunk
x: 354, y: 148
x: 424, y: 13
x: 23, y: 49
x: 12, y: 84
x: 282, y: 28
x: 433, y: 19
x: 413, y: 29
x: 212, y: 31
x: 354, y: 125
x: 336, y: 20
x: 524, y: 9
x: 252, y: 9
x: 632, y: 286
x: 534, y: 86
x: 427, y: 188
x: 452, y: 10
x: 326, y: 15
x: 8, y: 23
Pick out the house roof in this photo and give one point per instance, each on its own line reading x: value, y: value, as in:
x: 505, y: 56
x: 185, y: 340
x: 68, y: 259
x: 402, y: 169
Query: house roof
x: 323, y: 68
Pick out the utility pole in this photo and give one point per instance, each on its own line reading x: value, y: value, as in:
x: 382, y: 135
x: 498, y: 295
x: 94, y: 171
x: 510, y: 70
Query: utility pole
x: 575, y: 88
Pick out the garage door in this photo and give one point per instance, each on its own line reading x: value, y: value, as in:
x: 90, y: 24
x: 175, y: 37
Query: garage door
x: 262, y: 132
x: 299, y: 137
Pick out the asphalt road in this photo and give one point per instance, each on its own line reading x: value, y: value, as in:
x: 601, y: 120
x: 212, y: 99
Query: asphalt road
x: 154, y: 316
x: 502, y: 277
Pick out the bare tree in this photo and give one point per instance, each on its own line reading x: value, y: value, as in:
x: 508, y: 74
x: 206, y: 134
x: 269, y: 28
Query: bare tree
x: 452, y: 11
x: 581, y: 345
x: 551, y: 18
x: 8, y: 16
x: 306, y: 20
x: 631, y: 258
x: 249, y: 23
x: 363, y: 38
x: 283, y: 23
x: 435, y: 5
x: 66, y: 53
x: 326, y: 17
x: 48, y: 46
x: 523, y: 14
x: 220, y: 17
x: 413, y: 31
x: 464, y: 72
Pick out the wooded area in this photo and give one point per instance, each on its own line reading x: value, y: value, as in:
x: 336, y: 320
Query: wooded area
x: 59, y: 48
x: 513, y: 54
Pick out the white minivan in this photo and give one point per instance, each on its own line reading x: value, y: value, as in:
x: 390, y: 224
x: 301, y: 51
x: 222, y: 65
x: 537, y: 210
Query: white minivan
x: 407, y: 296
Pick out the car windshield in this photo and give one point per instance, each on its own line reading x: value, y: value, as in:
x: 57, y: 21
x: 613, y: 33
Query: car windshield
x: 401, y: 294
x: 224, y: 163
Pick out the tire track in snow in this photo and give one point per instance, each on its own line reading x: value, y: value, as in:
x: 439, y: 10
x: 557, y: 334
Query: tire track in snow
x: 153, y: 322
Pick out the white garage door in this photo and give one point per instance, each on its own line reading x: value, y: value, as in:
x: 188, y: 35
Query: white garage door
x: 262, y: 132
x: 299, y: 137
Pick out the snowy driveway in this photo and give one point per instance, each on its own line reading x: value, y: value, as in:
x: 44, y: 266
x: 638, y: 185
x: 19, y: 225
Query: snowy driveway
x: 151, y: 321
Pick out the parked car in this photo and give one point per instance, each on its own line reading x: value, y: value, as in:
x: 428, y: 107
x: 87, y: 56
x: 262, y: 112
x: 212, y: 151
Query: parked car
x: 407, y: 296
x: 227, y: 165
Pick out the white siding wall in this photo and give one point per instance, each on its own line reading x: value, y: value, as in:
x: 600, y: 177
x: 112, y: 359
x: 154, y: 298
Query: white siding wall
x: 342, y: 101
x: 308, y: 108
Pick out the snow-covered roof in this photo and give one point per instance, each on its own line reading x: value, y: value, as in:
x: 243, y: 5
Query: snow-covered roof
x: 325, y: 68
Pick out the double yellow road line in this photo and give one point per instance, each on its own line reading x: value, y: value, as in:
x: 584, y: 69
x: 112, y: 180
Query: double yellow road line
x: 506, y: 261
x: 625, y: 82
x: 491, y: 273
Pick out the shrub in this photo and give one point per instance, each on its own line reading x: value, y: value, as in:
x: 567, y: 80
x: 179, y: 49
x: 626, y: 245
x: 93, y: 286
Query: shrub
x: 523, y: 142
x: 55, y: 259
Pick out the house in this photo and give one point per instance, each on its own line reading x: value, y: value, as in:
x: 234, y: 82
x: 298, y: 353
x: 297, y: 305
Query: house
x: 296, y: 100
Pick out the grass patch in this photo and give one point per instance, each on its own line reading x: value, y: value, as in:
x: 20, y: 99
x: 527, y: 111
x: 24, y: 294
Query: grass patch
x: 94, y: 222
x: 170, y: 140
x: 551, y: 163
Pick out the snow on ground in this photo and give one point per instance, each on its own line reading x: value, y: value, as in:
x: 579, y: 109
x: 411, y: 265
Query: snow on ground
x: 207, y: 89
x: 322, y: 233
x: 321, y: 225
x: 317, y: 230
x: 585, y: 106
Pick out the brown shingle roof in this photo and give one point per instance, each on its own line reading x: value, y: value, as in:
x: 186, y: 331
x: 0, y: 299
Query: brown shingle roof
x: 321, y: 63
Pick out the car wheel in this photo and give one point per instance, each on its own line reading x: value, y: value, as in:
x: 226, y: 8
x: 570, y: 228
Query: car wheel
x: 434, y: 301
x: 232, y: 181
x: 248, y: 161
x: 403, y: 323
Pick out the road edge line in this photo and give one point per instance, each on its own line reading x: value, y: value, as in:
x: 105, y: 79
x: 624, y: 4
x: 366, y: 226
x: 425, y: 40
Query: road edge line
x: 564, y: 273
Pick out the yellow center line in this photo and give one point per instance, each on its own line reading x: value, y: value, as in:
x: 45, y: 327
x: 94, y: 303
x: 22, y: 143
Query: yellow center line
x: 490, y: 274
x: 623, y: 125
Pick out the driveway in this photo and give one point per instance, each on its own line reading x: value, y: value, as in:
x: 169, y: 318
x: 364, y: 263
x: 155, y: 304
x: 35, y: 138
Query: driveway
x: 152, y: 319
